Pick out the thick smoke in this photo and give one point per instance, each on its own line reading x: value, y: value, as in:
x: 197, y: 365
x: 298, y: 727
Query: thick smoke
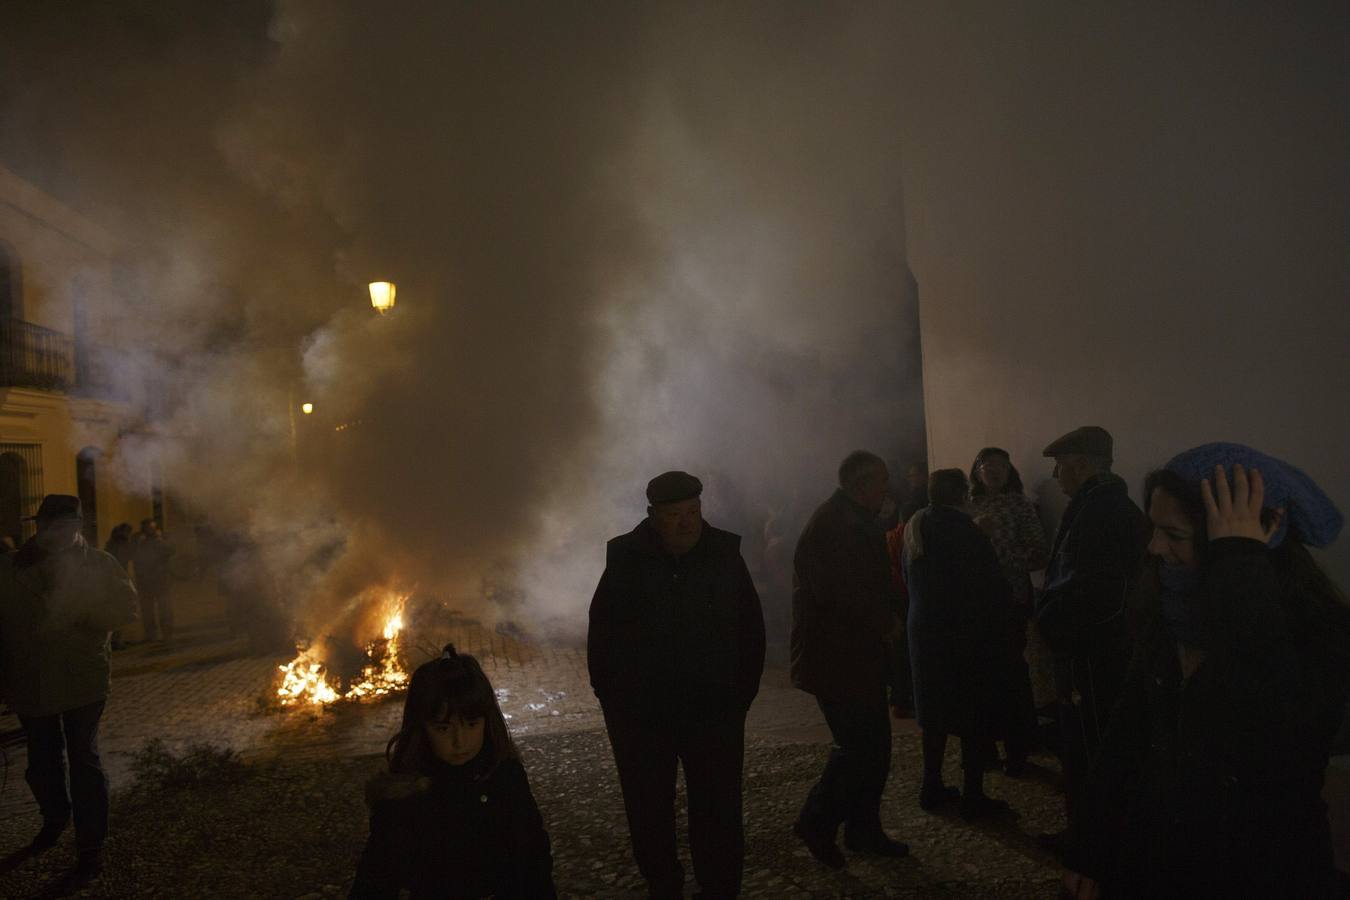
x: 626, y: 237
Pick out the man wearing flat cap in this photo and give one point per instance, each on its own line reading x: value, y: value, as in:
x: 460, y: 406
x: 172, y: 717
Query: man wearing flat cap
x: 1080, y: 612
x: 675, y: 652
x: 60, y: 599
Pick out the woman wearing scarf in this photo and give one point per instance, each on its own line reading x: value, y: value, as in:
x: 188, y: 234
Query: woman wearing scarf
x: 1209, y: 780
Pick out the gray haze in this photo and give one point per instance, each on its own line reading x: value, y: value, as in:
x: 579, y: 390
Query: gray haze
x: 627, y: 238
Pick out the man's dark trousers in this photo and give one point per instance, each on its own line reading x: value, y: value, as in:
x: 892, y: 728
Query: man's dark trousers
x: 713, y: 754
x: 1087, y: 687
x: 157, y: 612
x: 849, y: 790
x: 73, y: 734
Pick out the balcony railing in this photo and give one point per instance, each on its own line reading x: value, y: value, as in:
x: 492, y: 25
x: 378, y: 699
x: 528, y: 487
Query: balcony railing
x: 34, y: 357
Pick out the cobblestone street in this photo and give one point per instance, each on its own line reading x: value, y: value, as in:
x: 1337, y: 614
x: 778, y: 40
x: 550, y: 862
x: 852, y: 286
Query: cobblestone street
x: 290, y: 821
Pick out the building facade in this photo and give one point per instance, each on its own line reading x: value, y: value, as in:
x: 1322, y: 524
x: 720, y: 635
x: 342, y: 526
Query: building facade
x: 70, y: 420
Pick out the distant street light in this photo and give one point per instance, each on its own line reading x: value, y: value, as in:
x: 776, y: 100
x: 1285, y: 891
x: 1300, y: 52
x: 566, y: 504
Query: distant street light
x: 307, y: 408
x: 382, y: 296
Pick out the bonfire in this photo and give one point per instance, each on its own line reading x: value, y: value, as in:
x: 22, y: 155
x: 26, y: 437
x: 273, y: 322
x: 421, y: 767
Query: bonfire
x: 305, y: 680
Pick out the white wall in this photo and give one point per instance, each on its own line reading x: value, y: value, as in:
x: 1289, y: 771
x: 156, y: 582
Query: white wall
x: 1138, y: 218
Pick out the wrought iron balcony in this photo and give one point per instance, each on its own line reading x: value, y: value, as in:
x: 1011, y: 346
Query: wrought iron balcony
x: 34, y: 357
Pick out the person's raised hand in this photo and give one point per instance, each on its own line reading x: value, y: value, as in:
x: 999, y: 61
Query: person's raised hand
x: 1236, y: 511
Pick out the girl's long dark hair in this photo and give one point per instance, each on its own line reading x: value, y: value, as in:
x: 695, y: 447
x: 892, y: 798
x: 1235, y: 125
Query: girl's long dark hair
x: 450, y: 686
x: 1013, y: 484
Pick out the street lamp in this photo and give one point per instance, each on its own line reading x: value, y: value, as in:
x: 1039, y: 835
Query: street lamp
x: 307, y: 408
x: 382, y: 296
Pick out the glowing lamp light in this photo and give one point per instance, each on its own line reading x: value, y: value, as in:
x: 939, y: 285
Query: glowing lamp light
x: 307, y: 408
x: 382, y: 296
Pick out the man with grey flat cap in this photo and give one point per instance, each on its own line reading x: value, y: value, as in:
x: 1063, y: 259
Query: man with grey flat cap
x: 675, y: 652
x: 60, y: 599
x: 1080, y: 613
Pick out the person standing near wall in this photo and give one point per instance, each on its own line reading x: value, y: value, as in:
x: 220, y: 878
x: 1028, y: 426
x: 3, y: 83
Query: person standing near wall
x: 59, y: 601
x: 1094, y: 563
x: 675, y: 652
x: 844, y: 616
x: 121, y: 546
x: 153, y: 581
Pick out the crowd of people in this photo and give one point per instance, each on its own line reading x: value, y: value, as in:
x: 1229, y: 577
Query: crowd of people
x: 1197, y: 656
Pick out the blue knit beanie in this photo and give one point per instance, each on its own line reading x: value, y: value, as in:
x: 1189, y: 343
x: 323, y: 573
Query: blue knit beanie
x: 1315, y: 518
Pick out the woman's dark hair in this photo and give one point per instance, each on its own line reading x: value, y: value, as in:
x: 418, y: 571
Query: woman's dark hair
x: 1315, y: 606
x: 450, y: 686
x: 947, y: 487
x: 1014, y: 482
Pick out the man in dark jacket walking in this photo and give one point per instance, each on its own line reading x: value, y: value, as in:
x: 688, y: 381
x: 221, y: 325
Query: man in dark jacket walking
x: 844, y: 615
x: 675, y: 652
x: 59, y: 601
x: 1080, y: 613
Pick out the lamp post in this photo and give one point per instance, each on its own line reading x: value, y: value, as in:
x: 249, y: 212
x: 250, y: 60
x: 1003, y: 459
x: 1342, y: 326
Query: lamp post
x: 382, y: 296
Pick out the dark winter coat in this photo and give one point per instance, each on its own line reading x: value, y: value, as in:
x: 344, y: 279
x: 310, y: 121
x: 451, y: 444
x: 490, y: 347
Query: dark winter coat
x: 1094, y: 562
x: 151, y: 561
x: 1211, y: 786
x: 844, y: 604
x: 962, y: 628
x: 451, y: 836
x: 675, y: 638
x: 56, y: 614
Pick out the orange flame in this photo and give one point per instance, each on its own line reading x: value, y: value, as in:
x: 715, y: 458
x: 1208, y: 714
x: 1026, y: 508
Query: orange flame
x: 305, y: 681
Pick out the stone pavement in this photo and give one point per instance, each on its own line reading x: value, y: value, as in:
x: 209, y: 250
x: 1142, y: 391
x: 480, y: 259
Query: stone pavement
x: 204, y: 688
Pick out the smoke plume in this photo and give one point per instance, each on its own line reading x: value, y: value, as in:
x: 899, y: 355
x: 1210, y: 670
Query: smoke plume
x: 626, y: 237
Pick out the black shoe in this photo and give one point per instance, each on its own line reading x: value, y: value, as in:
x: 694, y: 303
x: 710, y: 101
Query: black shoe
x: 878, y: 844
x: 48, y: 836
x: 931, y: 798
x: 89, y: 865
x: 978, y: 806
x: 822, y: 847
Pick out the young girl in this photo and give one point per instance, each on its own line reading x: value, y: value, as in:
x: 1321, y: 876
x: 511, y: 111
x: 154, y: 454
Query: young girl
x: 454, y: 817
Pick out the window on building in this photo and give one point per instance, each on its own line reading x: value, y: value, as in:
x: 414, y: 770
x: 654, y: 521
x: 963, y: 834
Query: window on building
x: 20, y: 489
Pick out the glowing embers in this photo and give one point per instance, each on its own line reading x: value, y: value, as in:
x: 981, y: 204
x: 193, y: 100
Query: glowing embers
x: 305, y: 679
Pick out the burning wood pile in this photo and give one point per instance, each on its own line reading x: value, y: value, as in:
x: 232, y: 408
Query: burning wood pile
x: 306, y: 681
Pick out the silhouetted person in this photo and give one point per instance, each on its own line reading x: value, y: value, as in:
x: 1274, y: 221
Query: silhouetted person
x: 961, y: 642
x: 153, y: 581
x: 1003, y: 512
x: 1094, y: 562
x: 844, y: 604
x: 675, y: 651
x: 121, y: 546
x: 59, y: 599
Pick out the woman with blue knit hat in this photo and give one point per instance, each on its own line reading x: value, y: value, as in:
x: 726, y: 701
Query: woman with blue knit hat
x: 1209, y: 780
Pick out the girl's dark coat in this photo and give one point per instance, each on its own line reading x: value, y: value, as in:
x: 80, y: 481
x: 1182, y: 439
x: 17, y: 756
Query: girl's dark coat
x: 1211, y: 786
x: 451, y: 836
x: 963, y: 632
